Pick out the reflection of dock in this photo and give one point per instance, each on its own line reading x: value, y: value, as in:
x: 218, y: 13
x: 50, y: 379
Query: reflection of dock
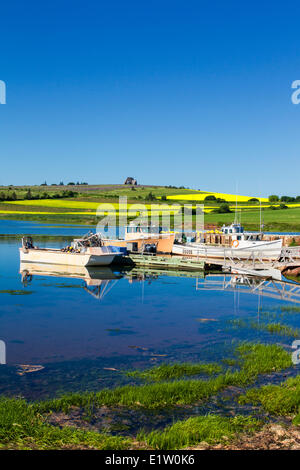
x: 143, y: 273
x: 264, y: 286
x: 98, y: 281
x: 257, y: 263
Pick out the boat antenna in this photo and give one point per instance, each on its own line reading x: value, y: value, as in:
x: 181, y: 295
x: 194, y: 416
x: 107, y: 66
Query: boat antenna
x: 260, y: 215
x: 235, y: 215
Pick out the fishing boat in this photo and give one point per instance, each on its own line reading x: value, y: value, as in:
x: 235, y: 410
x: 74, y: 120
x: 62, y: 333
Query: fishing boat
x: 243, y: 246
x: 143, y: 238
x: 78, y: 254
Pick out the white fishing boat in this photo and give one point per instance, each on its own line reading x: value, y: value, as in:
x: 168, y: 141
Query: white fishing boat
x: 243, y: 246
x: 74, y: 255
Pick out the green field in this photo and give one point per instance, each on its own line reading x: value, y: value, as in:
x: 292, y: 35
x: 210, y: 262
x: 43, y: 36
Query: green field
x: 78, y: 205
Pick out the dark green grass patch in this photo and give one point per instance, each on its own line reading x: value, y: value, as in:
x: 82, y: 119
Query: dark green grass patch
x: 175, y: 371
x: 283, y: 399
x: 22, y: 427
x: 211, y: 429
x: 16, y: 292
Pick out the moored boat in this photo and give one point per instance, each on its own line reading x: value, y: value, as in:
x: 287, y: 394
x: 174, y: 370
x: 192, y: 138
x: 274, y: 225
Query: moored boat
x: 243, y: 246
x: 75, y: 255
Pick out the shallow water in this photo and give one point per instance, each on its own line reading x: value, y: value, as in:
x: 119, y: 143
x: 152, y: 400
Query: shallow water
x: 77, y: 328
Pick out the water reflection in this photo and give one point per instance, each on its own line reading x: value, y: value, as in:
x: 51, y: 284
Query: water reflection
x: 97, y: 280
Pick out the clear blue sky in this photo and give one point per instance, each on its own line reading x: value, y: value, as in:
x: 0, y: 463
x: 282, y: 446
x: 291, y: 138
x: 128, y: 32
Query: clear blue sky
x: 192, y: 93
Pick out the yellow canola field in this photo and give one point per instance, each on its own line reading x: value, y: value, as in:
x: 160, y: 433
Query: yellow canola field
x: 202, y: 195
x: 67, y: 204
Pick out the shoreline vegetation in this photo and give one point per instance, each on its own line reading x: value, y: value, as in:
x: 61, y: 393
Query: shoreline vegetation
x: 42, y: 425
x: 77, y: 204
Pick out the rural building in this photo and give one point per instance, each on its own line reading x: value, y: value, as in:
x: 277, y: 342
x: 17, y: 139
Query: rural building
x: 130, y: 180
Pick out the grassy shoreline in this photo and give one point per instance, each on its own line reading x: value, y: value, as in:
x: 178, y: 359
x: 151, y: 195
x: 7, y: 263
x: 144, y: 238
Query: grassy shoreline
x: 25, y: 425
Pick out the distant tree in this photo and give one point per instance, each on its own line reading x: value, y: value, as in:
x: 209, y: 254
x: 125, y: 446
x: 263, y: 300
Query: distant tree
x: 71, y: 184
x: 287, y: 199
x: 273, y: 208
x: 210, y: 198
x: 253, y: 199
x: 273, y: 198
x: 283, y: 206
x: 44, y: 184
x: 61, y: 183
x: 14, y: 196
x: 150, y: 197
x: 223, y: 209
x: 28, y: 195
x: 164, y: 198
x: 219, y: 199
x: 2, y: 196
x: 297, y: 198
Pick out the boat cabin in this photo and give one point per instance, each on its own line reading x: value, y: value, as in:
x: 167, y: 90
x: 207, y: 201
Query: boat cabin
x: 237, y: 233
x: 142, y: 231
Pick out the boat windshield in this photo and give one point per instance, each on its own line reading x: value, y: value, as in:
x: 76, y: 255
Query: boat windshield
x: 143, y: 229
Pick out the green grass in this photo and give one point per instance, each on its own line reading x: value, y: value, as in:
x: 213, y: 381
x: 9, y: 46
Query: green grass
x: 283, y: 399
x: 273, y: 328
x: 21, y: 427
x: 24, y: 425
x: 175, y: 371
x: 211, y: 429
x: 254, y: 359
x: 281, y: 220
x: 279, y: 329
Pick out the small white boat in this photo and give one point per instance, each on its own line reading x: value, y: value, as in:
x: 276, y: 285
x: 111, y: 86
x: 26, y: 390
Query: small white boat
x: 243, y: 246
x: 71, y: 256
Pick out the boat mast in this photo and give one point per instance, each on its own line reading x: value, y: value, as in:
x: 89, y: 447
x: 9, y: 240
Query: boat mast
x: 235, y: 215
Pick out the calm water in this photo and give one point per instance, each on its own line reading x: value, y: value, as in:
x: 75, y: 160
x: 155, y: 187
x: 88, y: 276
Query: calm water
x: 77, y: 328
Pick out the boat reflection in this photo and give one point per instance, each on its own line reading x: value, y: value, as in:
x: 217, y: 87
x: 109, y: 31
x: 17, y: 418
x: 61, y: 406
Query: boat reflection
x: 98, y: 281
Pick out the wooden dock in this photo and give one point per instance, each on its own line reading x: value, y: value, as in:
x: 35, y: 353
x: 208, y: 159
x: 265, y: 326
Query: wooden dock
x: 178, y: 263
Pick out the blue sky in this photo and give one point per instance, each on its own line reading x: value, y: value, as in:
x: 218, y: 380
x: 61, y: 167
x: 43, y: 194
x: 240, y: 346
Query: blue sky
x: 191, y: 93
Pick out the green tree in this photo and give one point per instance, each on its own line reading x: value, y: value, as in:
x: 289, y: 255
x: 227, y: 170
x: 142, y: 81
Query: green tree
x: 273, y: 198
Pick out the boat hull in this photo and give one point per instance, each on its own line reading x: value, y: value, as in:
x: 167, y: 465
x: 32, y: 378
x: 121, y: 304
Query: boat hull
x: 49, y: 256
x: 264, y: 250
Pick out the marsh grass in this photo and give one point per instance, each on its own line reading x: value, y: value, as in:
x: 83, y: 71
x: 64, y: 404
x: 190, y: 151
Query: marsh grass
x: 211, y: 429
x: 283, y: 399
x: 273, y: 328
x: 278, y: 329
x: 254, y: 359
x: 175, y: 371
x: 22, y: 427
x: 16, y: 292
